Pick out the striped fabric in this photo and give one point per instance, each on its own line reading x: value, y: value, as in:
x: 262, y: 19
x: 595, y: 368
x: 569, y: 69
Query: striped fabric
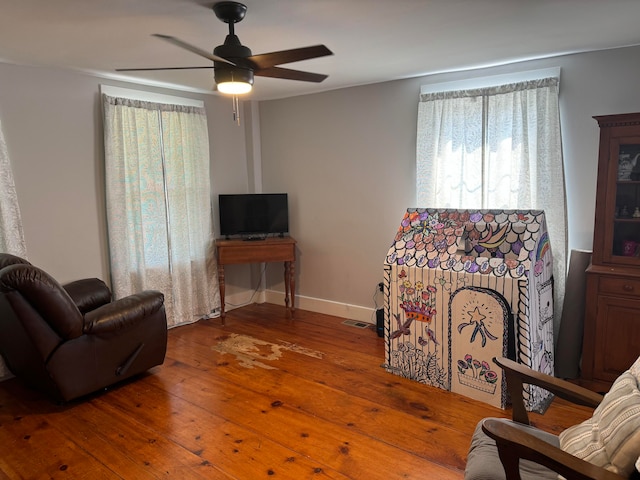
x: 611, y: 437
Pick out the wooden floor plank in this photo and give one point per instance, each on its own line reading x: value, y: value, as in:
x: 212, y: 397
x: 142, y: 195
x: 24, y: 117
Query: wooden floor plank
x: 386, y: 424
x: 131, y: 449
x: 315, y: 404
x: 341, y: 448
x: 33, y: 448
x: 239, y: 451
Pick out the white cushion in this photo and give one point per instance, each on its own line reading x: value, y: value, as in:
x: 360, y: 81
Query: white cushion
x: 611, y: 437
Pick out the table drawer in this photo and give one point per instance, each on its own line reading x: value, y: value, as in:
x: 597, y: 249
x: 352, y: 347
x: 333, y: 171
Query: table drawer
x: 619, y: 286
x: 261, y: 253
x: 269, y: 250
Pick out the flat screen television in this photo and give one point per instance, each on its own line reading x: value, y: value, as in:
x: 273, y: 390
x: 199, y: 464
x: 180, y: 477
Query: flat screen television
x: 253, y: 215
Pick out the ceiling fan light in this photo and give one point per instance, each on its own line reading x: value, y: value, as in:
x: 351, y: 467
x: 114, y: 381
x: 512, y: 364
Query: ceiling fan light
x: 233, y: 81
x: 234, y: 88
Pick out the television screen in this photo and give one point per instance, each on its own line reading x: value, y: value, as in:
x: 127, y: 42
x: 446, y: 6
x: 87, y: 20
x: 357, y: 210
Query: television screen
x: 253, y: 214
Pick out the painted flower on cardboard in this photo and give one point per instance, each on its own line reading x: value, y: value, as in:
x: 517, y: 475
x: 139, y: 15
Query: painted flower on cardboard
x: 417, y: 300
x: 480, y: 370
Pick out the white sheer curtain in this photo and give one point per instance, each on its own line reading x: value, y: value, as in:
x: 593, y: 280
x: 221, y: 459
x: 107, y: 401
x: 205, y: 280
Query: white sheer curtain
x: 11, y: 235
x: 496, y: 148
x: 159, y: 205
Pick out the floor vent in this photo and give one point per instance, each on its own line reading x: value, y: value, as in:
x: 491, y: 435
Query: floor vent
x: 354, y: 323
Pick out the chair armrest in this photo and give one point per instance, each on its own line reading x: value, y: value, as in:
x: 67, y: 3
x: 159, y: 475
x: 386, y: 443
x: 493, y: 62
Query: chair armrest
x: 518, y: 374
x: 514, y: 444
x: 88, y: 294
x: 123, y: 313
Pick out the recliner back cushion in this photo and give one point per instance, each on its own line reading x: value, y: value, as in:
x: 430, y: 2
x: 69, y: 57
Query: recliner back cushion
x: 46, y: 296
x: 7, y: 259
x: 611, y: 437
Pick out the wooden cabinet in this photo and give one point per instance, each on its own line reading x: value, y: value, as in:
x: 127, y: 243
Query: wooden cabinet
x: 614, y: 329
x: 612, y: 318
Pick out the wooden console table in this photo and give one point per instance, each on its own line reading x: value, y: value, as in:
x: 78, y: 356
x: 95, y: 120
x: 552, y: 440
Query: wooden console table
x: 276, y: 249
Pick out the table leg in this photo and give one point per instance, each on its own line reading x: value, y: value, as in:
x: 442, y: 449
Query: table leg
x: 221, y: 285
x: 289, y: 288
x: 292, y: 286
x: 287, y: 285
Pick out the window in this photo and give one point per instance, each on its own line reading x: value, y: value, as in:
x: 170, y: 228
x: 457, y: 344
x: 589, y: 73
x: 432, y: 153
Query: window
x: 159, y: 204
x: 496, y: 147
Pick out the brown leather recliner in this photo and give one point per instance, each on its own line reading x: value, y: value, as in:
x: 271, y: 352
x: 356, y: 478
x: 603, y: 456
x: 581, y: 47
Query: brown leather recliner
x: 72, y: 340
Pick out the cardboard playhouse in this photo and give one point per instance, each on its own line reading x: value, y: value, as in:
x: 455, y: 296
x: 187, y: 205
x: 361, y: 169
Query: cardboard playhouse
x: 465, y: 286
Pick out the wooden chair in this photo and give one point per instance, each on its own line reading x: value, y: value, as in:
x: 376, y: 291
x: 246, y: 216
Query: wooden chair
x: 514, y: 450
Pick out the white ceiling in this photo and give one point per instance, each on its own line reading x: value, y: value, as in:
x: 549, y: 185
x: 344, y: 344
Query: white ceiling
x: 373, y: 40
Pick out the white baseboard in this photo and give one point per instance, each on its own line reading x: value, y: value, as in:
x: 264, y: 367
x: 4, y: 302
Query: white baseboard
x: 242, y: 299
x: 342, y: 310
x: 328, y: 307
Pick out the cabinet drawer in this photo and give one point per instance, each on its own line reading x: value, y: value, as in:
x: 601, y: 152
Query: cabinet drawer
x: 620, y: 286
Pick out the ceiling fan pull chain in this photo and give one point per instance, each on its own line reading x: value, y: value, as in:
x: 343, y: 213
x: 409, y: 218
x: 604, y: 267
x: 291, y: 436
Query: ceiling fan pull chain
x: 236, y: 110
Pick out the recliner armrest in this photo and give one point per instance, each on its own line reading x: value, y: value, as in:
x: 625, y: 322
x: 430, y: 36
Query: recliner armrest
x: 514, y: 444
x: 122, y: 313
x: 88, y: 293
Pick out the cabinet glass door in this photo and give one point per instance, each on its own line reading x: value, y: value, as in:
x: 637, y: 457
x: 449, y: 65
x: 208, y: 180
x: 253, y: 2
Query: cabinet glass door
x: 625, y: 240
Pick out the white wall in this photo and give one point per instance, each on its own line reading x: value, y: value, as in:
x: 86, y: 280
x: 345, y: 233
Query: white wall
x: 347, y: 159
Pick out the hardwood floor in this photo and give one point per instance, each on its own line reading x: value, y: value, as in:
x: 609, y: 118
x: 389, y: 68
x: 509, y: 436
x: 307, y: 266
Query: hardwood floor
x: 306, y: 399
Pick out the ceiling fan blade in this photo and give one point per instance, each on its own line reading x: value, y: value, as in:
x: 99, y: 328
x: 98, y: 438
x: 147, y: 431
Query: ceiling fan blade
x: 157, y: 68
x: 266, y: 60
x: 277, y: 72
x: 192, y: 48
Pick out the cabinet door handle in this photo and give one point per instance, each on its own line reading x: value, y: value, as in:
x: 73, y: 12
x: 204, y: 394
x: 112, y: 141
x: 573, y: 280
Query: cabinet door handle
x: 627, y: 288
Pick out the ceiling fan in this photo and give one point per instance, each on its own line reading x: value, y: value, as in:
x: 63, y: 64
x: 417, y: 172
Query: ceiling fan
x: 235, y: 66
